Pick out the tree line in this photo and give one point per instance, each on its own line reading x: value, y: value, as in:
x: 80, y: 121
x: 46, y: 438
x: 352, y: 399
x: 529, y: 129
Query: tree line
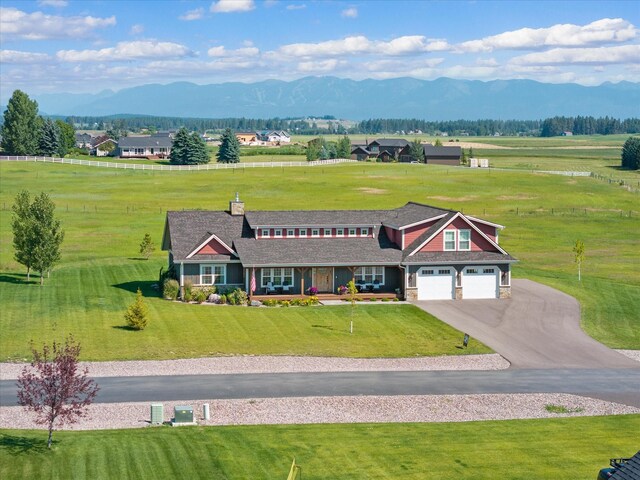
x: 553, y: 127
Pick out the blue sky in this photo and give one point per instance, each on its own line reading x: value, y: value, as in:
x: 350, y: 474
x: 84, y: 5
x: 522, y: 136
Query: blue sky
x: 50, y: 46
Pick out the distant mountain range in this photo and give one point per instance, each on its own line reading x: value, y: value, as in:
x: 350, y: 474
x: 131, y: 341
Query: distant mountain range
x: 441, y: 99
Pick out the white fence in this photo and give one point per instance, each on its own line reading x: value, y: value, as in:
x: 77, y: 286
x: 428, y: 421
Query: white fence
x: 176, y: 168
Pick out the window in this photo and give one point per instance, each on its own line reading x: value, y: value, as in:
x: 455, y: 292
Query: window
x: 303, y: 232
x: 427, y: 272
x: 488, y: 270
x: 449, y: 240
x: 265, y: 232
x: 364, y: 232
x: 472, y: 270
x: 315, y: 232
x: 327, y: 232
x: 277, y: 276
x: 369, y: 275
x: 504, y: 279
x: 213, y: 274
x: 291, y: 232
x: 340, y: 232
x: 277, y: 233
x: 352, y: 232
x: 464, y: 239
x: 444, y: 272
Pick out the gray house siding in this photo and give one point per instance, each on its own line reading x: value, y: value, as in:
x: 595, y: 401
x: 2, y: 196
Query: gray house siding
x: 191, y: 273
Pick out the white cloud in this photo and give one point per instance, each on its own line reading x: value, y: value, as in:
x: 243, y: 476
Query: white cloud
x: 126, y: 51
x: 53, y: 3
x: 228, y: 6
x: 350, y: 12
x: 606, y: 30
x: 195, y: 14
x: 16, y: 24
x: 136, y: 29
x: 487, y: 62
x: 322, y: 66
x: 296, y: 6
x: 360, y: 44
x: 14, y: 56
x: 623, y: 54
x: 220, y: 52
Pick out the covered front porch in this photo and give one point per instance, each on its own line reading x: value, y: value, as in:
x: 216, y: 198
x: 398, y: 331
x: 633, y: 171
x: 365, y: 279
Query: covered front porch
x: 329, y: 296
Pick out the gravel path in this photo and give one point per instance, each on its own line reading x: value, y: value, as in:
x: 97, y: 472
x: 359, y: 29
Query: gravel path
x: 369, y: 409
x: 277, y: 364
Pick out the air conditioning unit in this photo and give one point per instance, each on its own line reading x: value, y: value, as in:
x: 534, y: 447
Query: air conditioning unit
x: 183, y: 414
x: 157, y: 414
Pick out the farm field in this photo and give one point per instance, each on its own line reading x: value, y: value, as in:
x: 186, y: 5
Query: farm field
x: 517, y: 449
x: 104, y: 222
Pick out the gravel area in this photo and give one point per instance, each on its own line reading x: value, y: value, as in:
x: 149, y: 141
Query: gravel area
x: 633, y: 354
x: 277, y: 364
x: 361, y: 409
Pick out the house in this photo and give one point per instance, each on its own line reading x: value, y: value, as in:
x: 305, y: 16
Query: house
x: 622, y: 469
x: 83, y: 140
x: 382, y: 149
x: 156, y: 146
x: 103, y: 146
x: 442, y: 155
x: 417, y: 251
x: 247, y: 138
x: 273, y: 137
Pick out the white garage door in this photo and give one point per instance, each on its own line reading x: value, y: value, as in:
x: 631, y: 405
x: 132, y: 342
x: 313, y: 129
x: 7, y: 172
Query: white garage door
x: 480, y: 282
x: 435, y: 283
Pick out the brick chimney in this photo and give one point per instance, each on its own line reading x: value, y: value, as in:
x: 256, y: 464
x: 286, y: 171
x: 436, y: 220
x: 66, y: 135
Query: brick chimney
x: 236, y: 207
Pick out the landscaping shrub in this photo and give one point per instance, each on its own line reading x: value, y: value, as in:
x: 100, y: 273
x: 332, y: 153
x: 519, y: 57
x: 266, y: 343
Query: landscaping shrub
x: 199, y: 296
x: 373, y: 299
x: 137, y: 313
x: 239, y: 296
x: 170, y: 289
x: 223, y: 299
x: 270, y: 302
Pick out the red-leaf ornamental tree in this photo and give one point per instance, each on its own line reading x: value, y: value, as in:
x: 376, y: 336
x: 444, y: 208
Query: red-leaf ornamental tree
x: 53, y: 386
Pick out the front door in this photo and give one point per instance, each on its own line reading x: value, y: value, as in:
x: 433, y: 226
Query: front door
x: 324, y: 279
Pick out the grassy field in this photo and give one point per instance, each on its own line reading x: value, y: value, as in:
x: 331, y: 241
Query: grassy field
x: 105, y: 222
x: 524, y: 449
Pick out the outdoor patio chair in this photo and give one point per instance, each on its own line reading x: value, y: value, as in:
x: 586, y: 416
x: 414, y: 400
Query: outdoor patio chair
x: 376, y: 286
x: 286, y: 287
x: 270, y: 288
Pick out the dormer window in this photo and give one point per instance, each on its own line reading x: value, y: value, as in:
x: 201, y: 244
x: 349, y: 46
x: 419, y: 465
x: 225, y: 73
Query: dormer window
x: 278, y: 233
x: 364, y: 232
x: 352, y: 232
x: 315, y: 232
x: 464, y: 240
x: 449, y: 240
x: 303, y: 232
x: 327, y: 232
x: 340, y: 232
x: 265, y: 233
x: 291, y: 232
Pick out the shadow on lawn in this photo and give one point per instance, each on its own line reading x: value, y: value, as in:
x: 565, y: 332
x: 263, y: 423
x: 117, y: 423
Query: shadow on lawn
x: 145, y: 286
x: 18, y: 278
x: 15, y: 445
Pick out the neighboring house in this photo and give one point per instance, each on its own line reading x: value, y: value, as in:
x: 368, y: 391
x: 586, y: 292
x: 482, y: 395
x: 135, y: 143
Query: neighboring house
x: 83, y: 140
x: 149, y: 146
x: 247, y: 138
x: 273, y: 137
x: 442, y: 155
x: 103, y: 146
x: 359, y: 152
x: 382, y: 149
x: 417, y: 251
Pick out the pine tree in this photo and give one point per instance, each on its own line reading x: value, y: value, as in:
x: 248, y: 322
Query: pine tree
x: 49, y: 143
x: 343, y: 149
x: 180, y: 147
x: 196, y: 150
x: 137, y: 314
x: 631, y: 153
x: 416, y: 150
x: 21, y: 128
x: 147, y: 246
x: 229, y: 151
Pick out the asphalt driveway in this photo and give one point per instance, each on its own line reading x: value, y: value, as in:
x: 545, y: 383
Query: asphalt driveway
x: 539, y: 327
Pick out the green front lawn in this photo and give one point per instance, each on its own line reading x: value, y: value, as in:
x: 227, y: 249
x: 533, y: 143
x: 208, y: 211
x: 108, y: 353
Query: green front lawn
x: 514, y: 449
x: 106, y: 213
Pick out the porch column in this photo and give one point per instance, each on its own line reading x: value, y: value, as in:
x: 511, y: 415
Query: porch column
x: 181, y: 279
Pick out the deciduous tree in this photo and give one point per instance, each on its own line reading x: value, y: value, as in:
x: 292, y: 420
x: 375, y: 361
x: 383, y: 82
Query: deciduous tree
x: 21, y: 224
x: 229, y: 151
x: 578, y: 253
x: 54, y: 387
x: 67, y: 137
x: 416, y: 150
x: 343, y: 148
x: 21, y: 127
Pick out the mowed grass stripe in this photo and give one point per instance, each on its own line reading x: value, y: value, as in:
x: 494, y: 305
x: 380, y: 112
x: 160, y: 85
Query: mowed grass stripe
x: 518, y: 449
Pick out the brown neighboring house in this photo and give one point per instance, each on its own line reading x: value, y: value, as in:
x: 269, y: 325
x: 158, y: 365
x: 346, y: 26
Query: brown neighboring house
x: 416, y: 251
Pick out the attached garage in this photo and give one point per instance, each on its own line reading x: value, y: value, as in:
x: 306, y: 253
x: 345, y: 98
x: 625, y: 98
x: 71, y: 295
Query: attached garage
x: 480, y: 282
x: 436, y: 283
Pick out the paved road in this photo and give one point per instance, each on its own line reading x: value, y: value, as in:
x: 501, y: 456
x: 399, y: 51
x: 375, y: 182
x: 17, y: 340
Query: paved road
x: 539, y: 327
x: 621, y: 385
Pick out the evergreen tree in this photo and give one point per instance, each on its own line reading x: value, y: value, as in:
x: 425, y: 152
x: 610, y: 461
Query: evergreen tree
x: 416, y: 150
x: 631, y: 153
x: 437, y: 143
x: 180, y: 147
x: 229, y: 151
x: 21, y: 128
x: 343, y: 149
x: 313, y: 151
x: 196, y: 150
x: 137, y: 314
x: 67, y: 137
x: 49, y: 143
x: 147, y: 246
